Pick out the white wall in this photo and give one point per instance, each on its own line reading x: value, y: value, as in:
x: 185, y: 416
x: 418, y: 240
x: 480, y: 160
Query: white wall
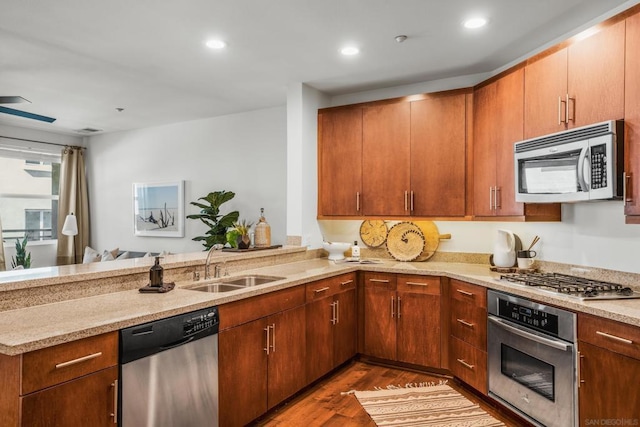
x: 244, y: 153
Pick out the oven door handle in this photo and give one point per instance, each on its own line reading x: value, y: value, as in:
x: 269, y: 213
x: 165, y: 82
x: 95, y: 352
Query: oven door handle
x: 528, y: 335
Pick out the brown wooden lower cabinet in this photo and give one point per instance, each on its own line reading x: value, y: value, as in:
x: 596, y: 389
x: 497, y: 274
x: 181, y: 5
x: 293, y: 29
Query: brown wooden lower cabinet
x: 468, y: 363
x: 67, y: 385
x: 261, y: 364
x: 402, y: 318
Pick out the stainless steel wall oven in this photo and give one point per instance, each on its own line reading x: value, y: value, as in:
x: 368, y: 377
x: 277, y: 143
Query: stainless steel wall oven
x: 532, y: 359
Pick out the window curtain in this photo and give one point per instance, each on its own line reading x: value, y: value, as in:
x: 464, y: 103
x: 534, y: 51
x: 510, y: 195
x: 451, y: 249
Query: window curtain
x: 73, y: 198
x: 2, y: 260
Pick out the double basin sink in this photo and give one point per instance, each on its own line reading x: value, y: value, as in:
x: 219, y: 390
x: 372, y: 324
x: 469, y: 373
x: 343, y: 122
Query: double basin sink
x: 235, y: 283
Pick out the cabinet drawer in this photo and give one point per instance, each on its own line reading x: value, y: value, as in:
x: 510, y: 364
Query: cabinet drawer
x: 330, y: 286
x: 473, y: 294
x: 469, y: 364
x: 469, y: 323
x: 609, y: 334
x: 380, y: 280
x: 54, y: 365
x: 419, y: 284
x: 247, y: 310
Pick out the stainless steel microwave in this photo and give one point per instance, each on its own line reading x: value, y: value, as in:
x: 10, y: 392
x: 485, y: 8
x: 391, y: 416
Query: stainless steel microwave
x: 576, y: 165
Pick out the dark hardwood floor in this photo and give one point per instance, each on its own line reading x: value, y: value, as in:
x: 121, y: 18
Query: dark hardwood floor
x: 323, y: 404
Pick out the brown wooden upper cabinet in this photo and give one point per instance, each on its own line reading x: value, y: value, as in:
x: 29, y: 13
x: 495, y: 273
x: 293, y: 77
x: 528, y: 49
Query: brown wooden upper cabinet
x: 497, y: 125
x: 386, y: 152
x: 578, y: 85
x: 340, y: 162
x: 632, y: 121
x: 438, y: 156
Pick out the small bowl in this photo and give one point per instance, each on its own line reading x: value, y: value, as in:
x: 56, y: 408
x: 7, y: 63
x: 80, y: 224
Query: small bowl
x: 336, y: 249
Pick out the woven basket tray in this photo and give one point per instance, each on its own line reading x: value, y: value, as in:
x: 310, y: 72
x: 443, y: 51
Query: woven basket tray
x: 405, y: 241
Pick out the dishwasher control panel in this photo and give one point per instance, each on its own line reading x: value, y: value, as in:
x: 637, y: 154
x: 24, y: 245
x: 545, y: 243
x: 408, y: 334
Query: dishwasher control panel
x: 200, y: 320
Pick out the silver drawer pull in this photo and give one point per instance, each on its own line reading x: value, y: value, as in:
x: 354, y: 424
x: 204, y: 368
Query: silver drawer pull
x: 321, y: 290
x: 346, y: 283
x: 465, y: 364
x: 417, y: 284
x: 114, y: 384
x: 78, y: 360
x: 469, y: 294
x: 470, y: 325
x: 379, y: 280
x: 613, y: 337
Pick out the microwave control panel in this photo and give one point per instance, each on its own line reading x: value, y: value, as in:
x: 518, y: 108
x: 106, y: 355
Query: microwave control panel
x: 599, y: 166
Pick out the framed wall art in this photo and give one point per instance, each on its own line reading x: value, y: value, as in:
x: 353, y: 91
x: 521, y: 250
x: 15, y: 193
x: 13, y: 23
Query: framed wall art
x: 158, y: 209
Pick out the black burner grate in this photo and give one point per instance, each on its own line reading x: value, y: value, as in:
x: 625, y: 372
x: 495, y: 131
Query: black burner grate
x: 567, y: 284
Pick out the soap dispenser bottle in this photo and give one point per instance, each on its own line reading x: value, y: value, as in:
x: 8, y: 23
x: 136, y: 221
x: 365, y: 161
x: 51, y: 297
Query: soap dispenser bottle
x: 262, y: 232
x: 355, y: 250
x: 155, y: 274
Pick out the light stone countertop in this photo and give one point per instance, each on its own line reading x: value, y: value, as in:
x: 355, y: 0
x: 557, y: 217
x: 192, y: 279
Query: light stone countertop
x: 36, y: 327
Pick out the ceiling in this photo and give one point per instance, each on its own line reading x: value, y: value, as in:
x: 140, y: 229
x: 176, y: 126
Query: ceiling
x: 79, y: 61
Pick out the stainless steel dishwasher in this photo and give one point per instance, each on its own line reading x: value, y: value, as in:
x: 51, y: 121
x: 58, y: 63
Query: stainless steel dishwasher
x: 169, y: 372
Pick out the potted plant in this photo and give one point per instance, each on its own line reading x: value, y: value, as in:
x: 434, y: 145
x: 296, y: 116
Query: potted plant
x: 211, y: 216
x: 238, y: 236
x: 22, y: 258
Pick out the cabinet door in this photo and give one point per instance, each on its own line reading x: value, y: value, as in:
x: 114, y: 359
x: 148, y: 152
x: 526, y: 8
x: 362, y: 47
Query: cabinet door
x: 380, y: 316
x: 86, y: 401
x: 242, y: 363
x: 609, y: 387
x: 545, y: 90
x: 509, y: 123
x: 340, y: 161
x: 386, y: 159
x: 596, y: 77
x: 319, y: 338
x: 438, y: 156
x: 632, y: 119
x: 287, y: 343
x: 484, y: 151
x: 418, y: 338
x: 344, y: 337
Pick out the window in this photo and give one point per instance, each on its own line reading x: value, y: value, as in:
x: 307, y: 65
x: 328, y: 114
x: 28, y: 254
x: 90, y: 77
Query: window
x: 29, y: 191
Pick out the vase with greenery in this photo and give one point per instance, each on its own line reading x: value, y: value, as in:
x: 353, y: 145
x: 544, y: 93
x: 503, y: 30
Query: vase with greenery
x: 238, y: 236
x: 22, y: 258
x: 211, y: 216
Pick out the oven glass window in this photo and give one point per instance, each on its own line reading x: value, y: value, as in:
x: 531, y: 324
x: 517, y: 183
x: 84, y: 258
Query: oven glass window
x: 532, y: 373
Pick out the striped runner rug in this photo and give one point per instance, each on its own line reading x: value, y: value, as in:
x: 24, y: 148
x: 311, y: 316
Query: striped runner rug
x: 437, y: 405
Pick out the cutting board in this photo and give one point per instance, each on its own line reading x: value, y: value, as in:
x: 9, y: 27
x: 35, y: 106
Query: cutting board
x: 432, y: 238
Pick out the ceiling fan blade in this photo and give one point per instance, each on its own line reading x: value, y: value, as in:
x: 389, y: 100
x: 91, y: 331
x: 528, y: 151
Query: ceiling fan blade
x: 27, y: 115
x: 13, y: 100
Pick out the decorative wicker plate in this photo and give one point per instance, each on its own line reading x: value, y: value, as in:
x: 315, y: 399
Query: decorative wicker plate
x: 405, y: 241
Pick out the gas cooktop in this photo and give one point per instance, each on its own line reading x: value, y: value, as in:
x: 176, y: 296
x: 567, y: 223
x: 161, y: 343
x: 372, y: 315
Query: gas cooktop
x: 577, y: 287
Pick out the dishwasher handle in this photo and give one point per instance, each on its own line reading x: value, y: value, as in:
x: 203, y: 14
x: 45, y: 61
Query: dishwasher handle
x: 177, y: 343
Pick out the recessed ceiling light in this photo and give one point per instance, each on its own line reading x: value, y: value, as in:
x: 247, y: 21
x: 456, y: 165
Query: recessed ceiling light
x: 216, y: 44
x: 475, y: 22
x: 350, y: 51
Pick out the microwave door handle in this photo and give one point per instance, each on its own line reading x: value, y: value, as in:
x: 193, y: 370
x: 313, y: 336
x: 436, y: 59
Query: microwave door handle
x: 559, y: 345
x: 581, y: 164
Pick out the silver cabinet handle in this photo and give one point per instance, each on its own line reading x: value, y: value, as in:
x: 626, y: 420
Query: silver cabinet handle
x: 579, y: 369
x: 568, y: 117
x: 317, y: 291
x: 469, y: 294
x: 465, y: 364
x: 337, y: 311
x: 267, y: 329
x: 560, y: 102
x: 490, y: 198
x: 470, y: 325
x: 399, y: 305
x: 114, y: 384
x: 615, y: 338
x: 416, y: 284
x: 357, y: 201
x: 333, y: 313
x: 393, y: 307
x: 411, y: 201
x: 345, y: 283
x: 273, y: 338
x: 379, y: 280
x: 406, y: 200
x: 625, y: 188
x: 497, y: 200
x: 78, y: 360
